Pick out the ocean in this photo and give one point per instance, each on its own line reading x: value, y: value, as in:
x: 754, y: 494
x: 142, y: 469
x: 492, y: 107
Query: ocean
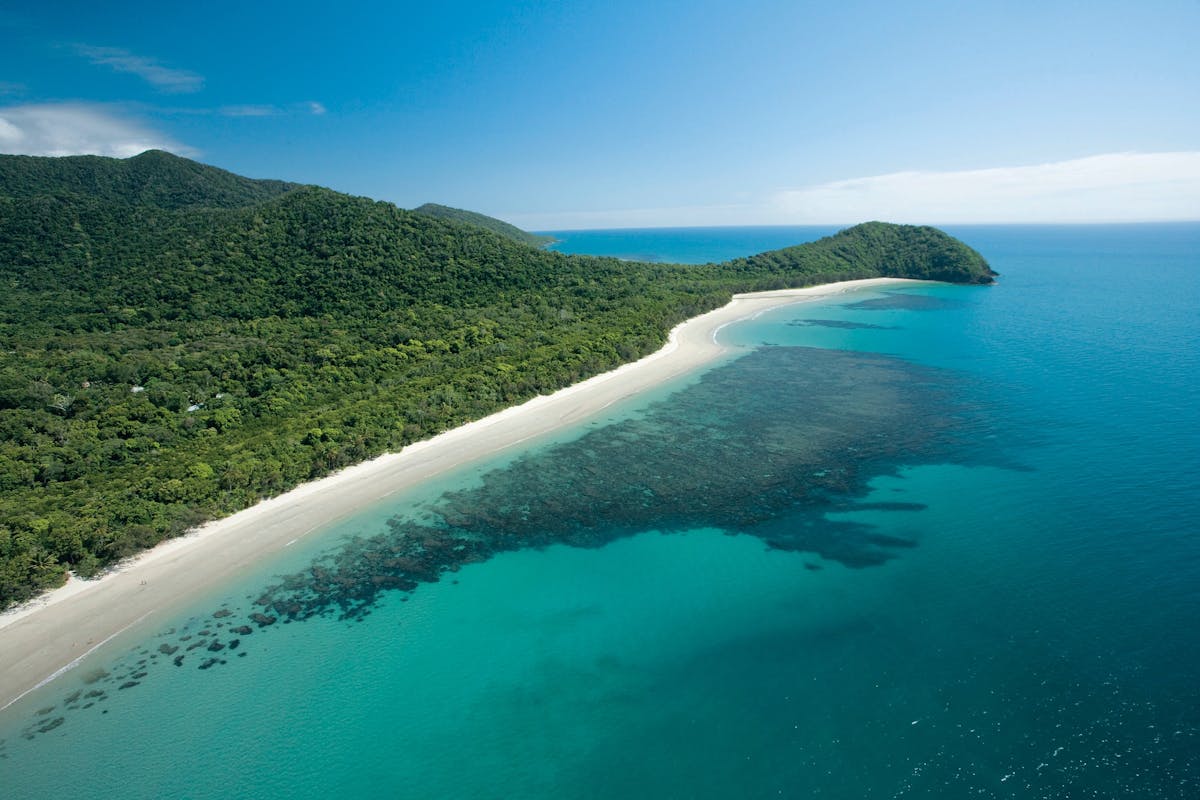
x: 931, y: 541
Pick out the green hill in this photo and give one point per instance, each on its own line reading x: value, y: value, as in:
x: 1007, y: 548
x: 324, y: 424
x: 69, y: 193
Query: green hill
x: 877, y: 249
x: 483, y: 221
x: 177, y: 342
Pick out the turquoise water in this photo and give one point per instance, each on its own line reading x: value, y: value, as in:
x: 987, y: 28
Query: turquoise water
x: 929, y: 542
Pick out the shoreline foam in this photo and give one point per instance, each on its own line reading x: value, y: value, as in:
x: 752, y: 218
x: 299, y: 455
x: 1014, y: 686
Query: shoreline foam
x: 46, y: 637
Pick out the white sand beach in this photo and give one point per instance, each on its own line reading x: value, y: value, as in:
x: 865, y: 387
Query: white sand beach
x: 54, y: 633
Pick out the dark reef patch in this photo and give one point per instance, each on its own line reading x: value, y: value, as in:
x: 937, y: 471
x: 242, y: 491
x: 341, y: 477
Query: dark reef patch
x: 94, y: 675
x: 880, y: 506
x: 838, y: 323
x: 767, y: 445
x: 903, y: 301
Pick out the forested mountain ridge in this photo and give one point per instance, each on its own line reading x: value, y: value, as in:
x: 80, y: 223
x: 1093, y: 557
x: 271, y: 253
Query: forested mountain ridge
x: 154, y: 178
x: 483, y: 221
x: 182, y: 342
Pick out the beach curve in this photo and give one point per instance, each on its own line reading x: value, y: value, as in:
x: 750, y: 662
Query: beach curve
x: 47, y: 637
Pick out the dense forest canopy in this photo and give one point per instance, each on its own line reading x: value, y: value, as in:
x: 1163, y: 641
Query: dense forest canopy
x: 178, y: 342
x: 483, y: 221
x: 154, y: 178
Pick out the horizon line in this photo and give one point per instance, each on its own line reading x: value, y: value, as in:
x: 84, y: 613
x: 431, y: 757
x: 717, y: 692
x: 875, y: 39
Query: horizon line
x: 844, y: 225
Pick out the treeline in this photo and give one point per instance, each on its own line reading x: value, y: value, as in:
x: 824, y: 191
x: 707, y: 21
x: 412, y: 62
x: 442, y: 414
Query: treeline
x: 182, y: 342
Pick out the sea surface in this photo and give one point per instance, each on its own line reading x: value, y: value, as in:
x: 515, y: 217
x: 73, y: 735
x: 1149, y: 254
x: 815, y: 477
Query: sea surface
x: 685, y: 245
x: 933, y: 541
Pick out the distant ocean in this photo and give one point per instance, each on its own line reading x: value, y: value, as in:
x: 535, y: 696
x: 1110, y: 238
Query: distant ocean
x: 685, y: 245
x: 932, y: 541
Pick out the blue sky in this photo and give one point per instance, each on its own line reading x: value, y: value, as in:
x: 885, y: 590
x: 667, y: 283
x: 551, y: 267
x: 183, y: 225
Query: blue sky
x: 615, y: 113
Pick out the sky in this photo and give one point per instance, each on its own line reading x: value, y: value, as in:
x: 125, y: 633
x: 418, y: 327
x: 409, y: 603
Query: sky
x: 567, y: 115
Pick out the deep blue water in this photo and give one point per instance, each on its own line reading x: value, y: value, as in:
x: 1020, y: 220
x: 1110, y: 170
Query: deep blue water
x: 934, y: 542
x: 685, y: 245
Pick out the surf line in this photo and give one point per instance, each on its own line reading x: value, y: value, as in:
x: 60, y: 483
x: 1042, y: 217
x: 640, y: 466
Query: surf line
x: 75, y: 663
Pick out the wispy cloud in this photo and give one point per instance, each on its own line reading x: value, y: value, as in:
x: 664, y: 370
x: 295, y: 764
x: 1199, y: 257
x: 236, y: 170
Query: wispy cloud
x: 265, y: 110
x: 64, y: 129
x: 8, y: 87
x: 248, y: 111
x: 1116, y: 187
x: 148, y: 69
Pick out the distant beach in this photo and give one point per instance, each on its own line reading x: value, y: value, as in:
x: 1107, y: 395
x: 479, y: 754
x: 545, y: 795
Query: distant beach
x: 50, y: 635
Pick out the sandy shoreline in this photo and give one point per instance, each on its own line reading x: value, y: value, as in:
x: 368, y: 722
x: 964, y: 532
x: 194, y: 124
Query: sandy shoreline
x: 44, y: 638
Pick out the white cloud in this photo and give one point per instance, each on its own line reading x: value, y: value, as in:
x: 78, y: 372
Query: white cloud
x: 265, y: 110
x: 1116, y: 187
x: 148, y: 69
x: 64, y: 129
x: 243, y: 110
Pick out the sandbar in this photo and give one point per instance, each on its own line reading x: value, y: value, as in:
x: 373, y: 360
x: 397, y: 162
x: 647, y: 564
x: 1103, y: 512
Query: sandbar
x: 48, y: 636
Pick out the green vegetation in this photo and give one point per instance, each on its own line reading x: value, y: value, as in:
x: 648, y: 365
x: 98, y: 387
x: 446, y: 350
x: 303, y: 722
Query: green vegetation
x: 874, y: 249
x: 483, y: 221
x: 177, y: 342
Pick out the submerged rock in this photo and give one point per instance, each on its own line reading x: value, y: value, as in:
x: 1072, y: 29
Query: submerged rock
x: 50, y: 725
x: 94, y: 675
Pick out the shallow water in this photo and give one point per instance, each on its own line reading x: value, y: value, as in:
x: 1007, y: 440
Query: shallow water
x: 933, y: 541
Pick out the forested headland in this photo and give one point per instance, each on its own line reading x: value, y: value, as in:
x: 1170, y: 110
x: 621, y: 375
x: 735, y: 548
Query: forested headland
x: 178, y: 342
x: 483, y: 221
